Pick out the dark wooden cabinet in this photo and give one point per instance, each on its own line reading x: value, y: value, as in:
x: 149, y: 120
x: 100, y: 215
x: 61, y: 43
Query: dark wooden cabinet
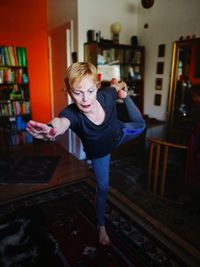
x: 124, y: 61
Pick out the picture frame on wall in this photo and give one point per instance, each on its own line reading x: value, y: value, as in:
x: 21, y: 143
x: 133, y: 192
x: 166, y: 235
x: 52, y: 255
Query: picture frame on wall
x: 158, y: 84
x: 161, y: 50
x: 160, y: 68
x: 157, y: 99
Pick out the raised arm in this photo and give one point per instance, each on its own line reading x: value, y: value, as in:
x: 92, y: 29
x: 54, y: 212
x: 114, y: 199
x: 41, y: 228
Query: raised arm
x: 134, y: 113
x: 48, y: 131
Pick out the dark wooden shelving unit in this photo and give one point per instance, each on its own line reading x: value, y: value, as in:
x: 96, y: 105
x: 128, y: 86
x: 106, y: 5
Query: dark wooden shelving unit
x: 129, y: 59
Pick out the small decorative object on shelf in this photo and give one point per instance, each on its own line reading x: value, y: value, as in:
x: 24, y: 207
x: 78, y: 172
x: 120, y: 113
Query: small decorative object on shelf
x: 14, y: 94
x: 116, y: 29
x: 90, y: 35
x: 158, y: 84
x: 134, y: 41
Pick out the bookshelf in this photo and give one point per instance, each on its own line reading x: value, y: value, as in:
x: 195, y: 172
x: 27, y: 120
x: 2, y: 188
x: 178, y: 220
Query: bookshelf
x: 119, y: 61
x: 14, y: 95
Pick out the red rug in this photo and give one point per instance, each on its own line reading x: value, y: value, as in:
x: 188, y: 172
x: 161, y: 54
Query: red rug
x: 60, y: 225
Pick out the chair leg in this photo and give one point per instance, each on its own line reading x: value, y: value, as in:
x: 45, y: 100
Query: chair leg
x: 150, y: 167
x: 155, y: 182
x: 163, y: 177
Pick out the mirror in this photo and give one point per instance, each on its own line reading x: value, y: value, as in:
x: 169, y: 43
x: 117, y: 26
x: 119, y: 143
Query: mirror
x: 184, y: 92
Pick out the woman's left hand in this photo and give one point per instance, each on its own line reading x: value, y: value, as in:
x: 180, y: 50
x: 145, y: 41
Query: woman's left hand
x: 122, y: 94
x: 121, y: 88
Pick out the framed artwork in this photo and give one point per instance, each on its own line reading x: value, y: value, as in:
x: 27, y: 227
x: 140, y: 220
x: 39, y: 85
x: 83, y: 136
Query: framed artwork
x: 161, y: 50
x: 157, y: 99
x: 158, y: 84
x: 160, y: 68
x: 74, y: 57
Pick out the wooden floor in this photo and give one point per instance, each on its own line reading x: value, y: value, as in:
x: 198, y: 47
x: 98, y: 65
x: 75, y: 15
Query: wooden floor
x: 68, y: 169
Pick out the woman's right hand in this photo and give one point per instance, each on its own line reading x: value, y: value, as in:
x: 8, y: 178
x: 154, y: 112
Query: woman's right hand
x: 41, y: 130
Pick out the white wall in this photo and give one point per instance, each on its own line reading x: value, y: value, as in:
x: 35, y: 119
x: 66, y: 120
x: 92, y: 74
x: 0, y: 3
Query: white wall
x: 168, y: 20
x: 100, y: 14
x: 61, y: 11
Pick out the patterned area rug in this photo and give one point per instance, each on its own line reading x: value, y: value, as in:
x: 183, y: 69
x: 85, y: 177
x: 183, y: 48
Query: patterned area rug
x: 128, y: 176
x: 31, y: 170
x: 62, y: 222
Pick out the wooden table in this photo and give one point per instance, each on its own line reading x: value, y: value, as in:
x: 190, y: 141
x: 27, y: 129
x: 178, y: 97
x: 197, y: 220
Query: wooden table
x: 69, y: 169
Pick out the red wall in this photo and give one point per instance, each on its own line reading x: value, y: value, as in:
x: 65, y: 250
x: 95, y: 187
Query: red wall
x: 194, y: 65
x: 24, y: 23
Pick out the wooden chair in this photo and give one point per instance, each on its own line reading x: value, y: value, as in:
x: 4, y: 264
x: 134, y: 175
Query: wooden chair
x: 160, y: 157
x: 178, y: 135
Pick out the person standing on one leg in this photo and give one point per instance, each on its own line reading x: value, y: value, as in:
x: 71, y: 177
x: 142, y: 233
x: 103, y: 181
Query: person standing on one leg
x: 93, y: 117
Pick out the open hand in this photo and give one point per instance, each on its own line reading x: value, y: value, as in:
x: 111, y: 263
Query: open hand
x: 41, y: 130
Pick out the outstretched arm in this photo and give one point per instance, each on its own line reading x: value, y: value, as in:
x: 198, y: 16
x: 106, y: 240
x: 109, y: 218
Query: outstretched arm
x: 43, y: 131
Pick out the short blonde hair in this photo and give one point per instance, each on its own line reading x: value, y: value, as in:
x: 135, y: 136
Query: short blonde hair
x: 77, y: 71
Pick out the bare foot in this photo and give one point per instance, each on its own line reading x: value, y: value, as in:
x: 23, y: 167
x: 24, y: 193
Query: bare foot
x: 103, y: 236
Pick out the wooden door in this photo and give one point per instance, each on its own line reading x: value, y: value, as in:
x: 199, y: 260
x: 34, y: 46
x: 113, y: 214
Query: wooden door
x: 60, y: 56
x: 59, y: 61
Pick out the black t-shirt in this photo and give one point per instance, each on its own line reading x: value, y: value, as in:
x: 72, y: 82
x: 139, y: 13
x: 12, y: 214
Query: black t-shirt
x: 98, y: 140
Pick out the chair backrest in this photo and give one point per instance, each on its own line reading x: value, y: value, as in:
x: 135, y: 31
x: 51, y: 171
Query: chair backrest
x: 161, y: 155
x: 192, y: 175
x: 176, y: 135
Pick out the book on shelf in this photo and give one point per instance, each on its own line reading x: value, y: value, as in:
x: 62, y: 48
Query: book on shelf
x: 24, y: 58
x: 3, y: 56
x: 20, y: 138
x: 19, y: 56
x: 14, y: 108
x: 1, y: 59
x: 13, y: 57
x: 7, y: 53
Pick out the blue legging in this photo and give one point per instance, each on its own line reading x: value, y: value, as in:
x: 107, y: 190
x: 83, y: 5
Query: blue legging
x: 100, y: 166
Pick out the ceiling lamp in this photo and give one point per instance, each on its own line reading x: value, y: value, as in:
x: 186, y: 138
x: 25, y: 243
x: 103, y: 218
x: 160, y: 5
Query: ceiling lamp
x: 147, y: 3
